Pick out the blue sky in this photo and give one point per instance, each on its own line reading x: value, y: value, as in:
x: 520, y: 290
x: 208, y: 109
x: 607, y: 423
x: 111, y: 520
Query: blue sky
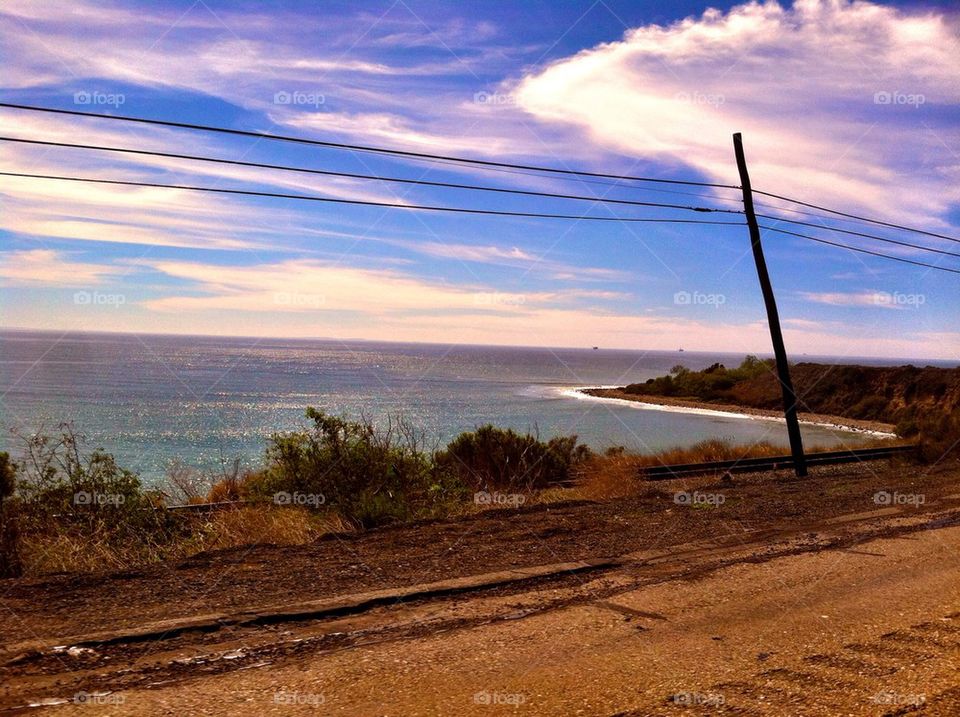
x: 853, y: 106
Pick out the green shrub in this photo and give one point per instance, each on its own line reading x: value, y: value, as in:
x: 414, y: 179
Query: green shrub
x: 712, y: 383
x: 496, y: 458
x: 10, y: 565
x: 61, y: 489
x: 371, y: 477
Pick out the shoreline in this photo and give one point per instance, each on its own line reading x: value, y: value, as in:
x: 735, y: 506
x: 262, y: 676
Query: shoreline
x: 686, y: 405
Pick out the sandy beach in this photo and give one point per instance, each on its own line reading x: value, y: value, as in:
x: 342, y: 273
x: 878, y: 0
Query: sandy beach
x: 850, y: 424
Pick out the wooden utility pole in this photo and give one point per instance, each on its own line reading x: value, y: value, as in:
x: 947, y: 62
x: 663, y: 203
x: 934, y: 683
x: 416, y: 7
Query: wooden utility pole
x: 773, y: 318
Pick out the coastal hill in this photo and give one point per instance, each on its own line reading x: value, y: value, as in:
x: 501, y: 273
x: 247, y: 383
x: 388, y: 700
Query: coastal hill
x: 916, y: 400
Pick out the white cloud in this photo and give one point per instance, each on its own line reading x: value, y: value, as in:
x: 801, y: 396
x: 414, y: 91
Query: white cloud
x: 308, y: 285
x: 799, y: 82
x: 875, y: 299
x: 470, y: 252
x: 49, y: 268
x: 321, y: 299
x: 531, y: 262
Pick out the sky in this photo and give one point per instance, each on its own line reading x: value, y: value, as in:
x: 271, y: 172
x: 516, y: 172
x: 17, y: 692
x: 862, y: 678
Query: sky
x: 849, y: 105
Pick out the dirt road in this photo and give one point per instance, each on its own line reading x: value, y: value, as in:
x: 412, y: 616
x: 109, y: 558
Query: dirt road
x: 858, y: 613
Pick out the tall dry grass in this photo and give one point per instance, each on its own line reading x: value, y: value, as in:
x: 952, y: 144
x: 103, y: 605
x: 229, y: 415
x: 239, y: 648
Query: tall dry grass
x: 261, y: 524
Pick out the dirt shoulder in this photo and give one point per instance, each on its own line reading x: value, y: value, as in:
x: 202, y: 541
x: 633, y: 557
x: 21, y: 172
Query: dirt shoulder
x: 854, y: 615
x: 805, y: 417
x: 263, y: 575
x: 870, y: 631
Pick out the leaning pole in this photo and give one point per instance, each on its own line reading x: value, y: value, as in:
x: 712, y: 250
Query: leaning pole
x: 773, y: 318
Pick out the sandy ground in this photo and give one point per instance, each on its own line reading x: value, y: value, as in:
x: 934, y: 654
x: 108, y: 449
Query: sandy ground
x: 870, y: 630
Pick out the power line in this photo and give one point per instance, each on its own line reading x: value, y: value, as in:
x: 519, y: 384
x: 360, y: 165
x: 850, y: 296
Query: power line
x: 862, y: 251
x: 307, y: 170
x: 463, y: 160
x: 419, y: 182
x: 619, y: 183
x: 357, y: 147
x: 860, y: 234
x: 794, y: 210
x: 362, y: 202
x: 857, y: 216
x: 498, y: 166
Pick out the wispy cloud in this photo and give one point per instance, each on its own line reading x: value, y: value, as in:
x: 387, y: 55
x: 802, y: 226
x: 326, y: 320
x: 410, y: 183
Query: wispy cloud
x: 875, y: 299
x: 49, y: 268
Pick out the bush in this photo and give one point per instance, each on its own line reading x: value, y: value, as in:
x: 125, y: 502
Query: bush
x: 939, y: 436
x: 10, y: 565
x: 64, y: 492
x: 493, y: 458
x: 713, y: 383
x: 371, y: 477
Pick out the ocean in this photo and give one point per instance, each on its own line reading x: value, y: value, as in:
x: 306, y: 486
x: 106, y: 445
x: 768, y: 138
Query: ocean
x: 150, y: 399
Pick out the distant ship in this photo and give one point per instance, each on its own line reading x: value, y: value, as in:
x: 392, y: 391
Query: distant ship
x: 680, y: 350
x: 596, y: 348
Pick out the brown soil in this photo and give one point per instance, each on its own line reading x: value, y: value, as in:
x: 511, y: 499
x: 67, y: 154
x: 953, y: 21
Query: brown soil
x: 712, y: 582
x: 259, y: 575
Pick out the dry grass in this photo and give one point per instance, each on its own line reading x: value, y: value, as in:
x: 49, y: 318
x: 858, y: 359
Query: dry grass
x: 263, y: 524
x: 606, y: 477
x: 55, y: 552
x: 601, y: 477
x: 712, y: 450
x: 44, y: 554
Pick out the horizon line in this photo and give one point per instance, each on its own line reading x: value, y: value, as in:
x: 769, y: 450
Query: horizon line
x: 910, y: 360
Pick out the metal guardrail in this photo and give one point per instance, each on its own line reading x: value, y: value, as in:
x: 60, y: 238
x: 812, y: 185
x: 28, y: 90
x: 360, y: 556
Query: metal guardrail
x: 746, y: 465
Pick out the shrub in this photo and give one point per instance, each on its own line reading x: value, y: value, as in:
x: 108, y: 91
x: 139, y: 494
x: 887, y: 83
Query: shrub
x: 495, y: 458
x: 10, y: 565
x: 67, y: 493
x: 371, y: 477
x: 939, y: 436
x: 712, y: 383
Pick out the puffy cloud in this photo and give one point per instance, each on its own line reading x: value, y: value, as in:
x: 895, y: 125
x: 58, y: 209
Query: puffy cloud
x: 836, y: 100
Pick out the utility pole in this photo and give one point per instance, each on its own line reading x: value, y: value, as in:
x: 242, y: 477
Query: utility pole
x: 773, y: 318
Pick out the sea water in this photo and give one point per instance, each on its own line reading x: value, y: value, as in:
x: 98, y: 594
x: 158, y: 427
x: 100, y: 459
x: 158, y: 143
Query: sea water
x: 207, y: 401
